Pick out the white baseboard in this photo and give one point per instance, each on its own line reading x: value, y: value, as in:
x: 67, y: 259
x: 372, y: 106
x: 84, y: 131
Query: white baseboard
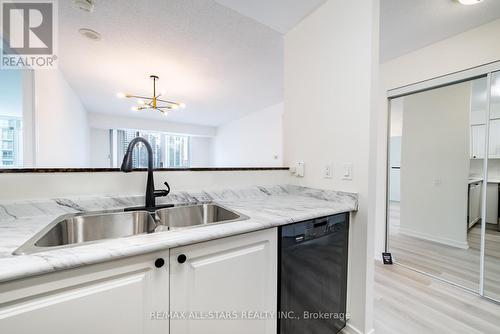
x: 349, y: 329
x: 429, y: 237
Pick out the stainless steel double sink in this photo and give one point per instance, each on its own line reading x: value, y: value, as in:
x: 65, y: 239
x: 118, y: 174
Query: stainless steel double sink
x: 83, y: 228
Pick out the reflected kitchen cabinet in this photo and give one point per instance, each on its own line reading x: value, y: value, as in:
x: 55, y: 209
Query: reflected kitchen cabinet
x: 478, y: 133
x: 474, y: 203
x: 494, y: 146
x: 492, y: 203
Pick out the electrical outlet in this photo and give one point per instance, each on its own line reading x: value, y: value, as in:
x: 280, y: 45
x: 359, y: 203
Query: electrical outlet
x: 328, y: 171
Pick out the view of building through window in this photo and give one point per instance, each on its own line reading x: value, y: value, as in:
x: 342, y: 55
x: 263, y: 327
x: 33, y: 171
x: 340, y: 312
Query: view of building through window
x: 169, y: 151
x: 11, y: 111
x: 11, y: 138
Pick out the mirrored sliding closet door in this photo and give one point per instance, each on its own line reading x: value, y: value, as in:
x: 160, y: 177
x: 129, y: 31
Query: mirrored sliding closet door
x: 492, y: 227
x: 436, y: 144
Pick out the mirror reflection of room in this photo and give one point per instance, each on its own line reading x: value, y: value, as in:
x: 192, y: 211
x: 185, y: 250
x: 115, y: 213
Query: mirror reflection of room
x: 218, y: 87
x: 436, y: 164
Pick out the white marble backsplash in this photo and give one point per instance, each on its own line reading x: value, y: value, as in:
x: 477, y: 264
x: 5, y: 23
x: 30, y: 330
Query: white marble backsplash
x: 267, y: 206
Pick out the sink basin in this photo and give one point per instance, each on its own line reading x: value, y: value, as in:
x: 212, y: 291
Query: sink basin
x: 195, y: 215
x: 76, y: 229
x: 84, y: 228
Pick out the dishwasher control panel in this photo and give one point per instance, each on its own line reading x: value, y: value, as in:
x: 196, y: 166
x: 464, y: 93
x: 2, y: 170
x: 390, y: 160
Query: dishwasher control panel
x: 312, y: 229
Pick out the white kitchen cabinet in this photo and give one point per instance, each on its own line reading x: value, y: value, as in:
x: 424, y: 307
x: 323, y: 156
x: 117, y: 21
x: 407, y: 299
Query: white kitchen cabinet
x: 494, y: 138
x: 474, y: 203
x: 236, y: 274
x: 478, y: 133
x: 114, y: 297
x: 492, y: 203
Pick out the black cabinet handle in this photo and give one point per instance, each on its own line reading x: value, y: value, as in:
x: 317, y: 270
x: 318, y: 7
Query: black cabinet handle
x: 181, y: 258
x: 159, y: 262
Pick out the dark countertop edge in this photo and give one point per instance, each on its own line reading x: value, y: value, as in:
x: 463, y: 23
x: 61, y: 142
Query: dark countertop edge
x: 108, y: 170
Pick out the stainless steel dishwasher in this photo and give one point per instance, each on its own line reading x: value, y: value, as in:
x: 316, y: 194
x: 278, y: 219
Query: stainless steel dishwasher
x: 313, y: 276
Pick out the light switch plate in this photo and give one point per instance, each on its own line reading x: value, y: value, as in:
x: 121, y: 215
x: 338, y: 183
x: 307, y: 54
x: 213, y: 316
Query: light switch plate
x: 300, y: 169
x: 328, y: 171
x: 347, y: 174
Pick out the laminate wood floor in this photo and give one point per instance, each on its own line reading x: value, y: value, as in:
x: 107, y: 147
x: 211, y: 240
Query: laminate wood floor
x: 460, y: 266
x: 407, y: 302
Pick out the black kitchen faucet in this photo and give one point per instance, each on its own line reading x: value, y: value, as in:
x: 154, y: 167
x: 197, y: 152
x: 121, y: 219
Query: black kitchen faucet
x: 127, y: 166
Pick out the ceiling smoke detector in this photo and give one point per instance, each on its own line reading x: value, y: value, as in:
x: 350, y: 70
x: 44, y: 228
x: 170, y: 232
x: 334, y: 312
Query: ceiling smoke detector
x: 90, y: 34
x: 85, y: 5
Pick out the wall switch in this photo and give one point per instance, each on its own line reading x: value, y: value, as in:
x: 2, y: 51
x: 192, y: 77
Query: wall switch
x: 347, y: 175
x: 328, y: 171
x: 300, y: 169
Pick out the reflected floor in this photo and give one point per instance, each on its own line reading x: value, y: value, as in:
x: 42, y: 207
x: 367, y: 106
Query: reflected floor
x: 406, y: 302
x: 460, y: 266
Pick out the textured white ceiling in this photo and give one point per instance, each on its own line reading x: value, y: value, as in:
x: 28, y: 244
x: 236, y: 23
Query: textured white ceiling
x: 408, y: 25
x: 219, y: 62
x: 281, y: 15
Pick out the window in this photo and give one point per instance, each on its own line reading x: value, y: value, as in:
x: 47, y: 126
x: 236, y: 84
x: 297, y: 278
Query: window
x: 11, y: 111
x: 169, y: 151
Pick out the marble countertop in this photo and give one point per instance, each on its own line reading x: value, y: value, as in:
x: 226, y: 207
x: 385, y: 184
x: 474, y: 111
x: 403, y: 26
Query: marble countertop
x: 473, y: 179
x: 267, y: 207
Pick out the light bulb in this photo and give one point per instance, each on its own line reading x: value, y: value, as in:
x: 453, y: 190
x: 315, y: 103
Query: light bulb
x: 470, y: 2
x: 182, y: 105
x: 135, y: 108
x: 174, y: 106
x: 165, y: 113
x: 121, y: 95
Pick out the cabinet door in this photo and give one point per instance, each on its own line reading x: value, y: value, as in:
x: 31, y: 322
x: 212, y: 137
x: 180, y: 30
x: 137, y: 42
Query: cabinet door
x: 492, y: 203
x: 478, y: 133
x: 234, y: 275
x: 474, y: 203
x: 494, y: 138
x: 118, y: 297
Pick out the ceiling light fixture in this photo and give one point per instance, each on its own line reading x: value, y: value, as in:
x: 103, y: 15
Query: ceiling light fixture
x: 154, y: 102
x: 90, y: 34
x: 470, y: 2
x: 85, y: 5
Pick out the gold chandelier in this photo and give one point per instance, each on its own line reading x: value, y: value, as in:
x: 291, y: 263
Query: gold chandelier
x: 154, y: 102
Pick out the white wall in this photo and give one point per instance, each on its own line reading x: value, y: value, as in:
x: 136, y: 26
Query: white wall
x: 61, y: 125
x: 331, y: 68
x: 201, y: 151
x: 435, y: 165
x: 100, y: 153
x: 105, y: 121
x: 472, y: 48
x: 253, y: 140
